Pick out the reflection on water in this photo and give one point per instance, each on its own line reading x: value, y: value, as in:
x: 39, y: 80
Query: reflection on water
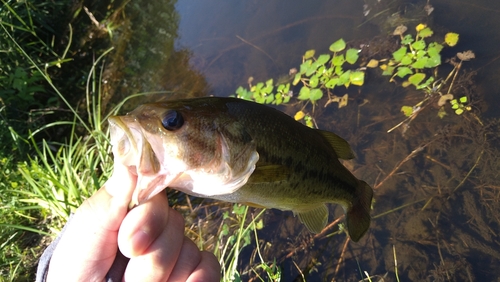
x: 436, y: 183
x: 261, y: 38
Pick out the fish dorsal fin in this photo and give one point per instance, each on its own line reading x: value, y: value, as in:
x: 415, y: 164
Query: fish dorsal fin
x: 269, y: 173
x: 315, y: 220
x: 340, y: 146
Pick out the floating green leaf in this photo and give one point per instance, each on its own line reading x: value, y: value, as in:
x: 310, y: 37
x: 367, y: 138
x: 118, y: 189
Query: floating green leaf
x: 286, y: 99
x: 312, y: 69
x: 407, y: 110
x: 309, y: 54
x: 257, y: 88
x: 420, y: 54
x: 305, y: 66
x: 315, y: 94
x: 415, y: 79
x: 287, y: 88
x: 406, y: 60
x: 304, y: 93
x: 426, y: 83
x: 344, y: 79
x: 339, y: 70
x: 321, y: 70
x: 269, y: 86
x: 434, y: 48
x: 420, y: 63
x: 323, y: 59
x: 404, y: 71
x: 244, y: 93
x: 338, y: 60
x: 433, y: 61
x: 259, y: 99
x: 309, y: 123
x: 426, y: 32
x: 332, y: 83
x: 352, y: 55
x: 459, y: 111
x: 296, y: 79
x: 313, y: 81
x: 407, y: 39
x: 278, y: 99
x: 357, y: 78
x: 388, y: 70
x: 269, y: 99
x: 418, y: 45
x: 463, y: 99
x: 399, y: 54
x: 338, y: 45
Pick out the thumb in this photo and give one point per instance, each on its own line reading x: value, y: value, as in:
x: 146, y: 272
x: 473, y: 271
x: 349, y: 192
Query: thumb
x: 89, y: 245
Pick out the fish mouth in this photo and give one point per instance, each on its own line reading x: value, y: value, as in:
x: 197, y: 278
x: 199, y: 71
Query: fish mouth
x: 132, y: 150
x: 123, y: 139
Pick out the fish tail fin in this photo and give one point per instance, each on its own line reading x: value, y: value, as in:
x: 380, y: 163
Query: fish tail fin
x: 358, y: 216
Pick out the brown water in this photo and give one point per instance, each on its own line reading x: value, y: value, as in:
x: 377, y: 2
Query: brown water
x: 436, y: 180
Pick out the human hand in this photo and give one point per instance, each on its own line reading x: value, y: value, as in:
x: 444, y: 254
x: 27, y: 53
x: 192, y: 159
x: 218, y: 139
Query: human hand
x: 151, y: 235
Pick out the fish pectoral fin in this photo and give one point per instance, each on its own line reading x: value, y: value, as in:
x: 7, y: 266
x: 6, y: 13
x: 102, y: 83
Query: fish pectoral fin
x: 269, y: 173
x: 340, y: 146
x: 253, y: 205
x: 315, y: 220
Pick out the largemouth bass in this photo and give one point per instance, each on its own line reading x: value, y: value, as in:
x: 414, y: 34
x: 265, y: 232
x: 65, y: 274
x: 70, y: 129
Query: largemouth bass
x: 243, y: 152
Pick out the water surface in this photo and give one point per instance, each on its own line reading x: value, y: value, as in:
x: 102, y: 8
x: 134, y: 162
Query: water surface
x: 435, y: 179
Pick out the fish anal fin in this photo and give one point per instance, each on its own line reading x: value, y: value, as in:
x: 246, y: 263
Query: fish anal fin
x: 253, y: 205
x: 340, y: 146
x: 315, y: 220
x: 358, y: 216
x: 269, y: 173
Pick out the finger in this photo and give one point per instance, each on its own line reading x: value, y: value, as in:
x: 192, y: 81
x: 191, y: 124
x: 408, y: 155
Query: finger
x: 159, y: 258
x: 121, y: 184
x: 89, y: 241
x: 142, y: 225
x: 207, y: 270
x: 187, y: 262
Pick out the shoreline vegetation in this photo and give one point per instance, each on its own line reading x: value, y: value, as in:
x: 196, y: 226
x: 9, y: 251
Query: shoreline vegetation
x: 62, y: 73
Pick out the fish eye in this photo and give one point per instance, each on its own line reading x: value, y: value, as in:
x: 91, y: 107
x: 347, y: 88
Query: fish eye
x: 172, y: 120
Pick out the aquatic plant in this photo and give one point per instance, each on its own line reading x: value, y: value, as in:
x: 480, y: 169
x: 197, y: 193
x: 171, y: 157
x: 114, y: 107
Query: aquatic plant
x: 317, y: 75
x: 414, y: 62
x: 413, y: 57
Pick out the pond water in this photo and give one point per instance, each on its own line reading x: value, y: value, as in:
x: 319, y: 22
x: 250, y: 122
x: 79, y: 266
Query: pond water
x: 436, y: 180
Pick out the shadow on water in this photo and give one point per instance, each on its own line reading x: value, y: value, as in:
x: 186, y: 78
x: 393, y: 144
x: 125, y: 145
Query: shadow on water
x: 435, y: 179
